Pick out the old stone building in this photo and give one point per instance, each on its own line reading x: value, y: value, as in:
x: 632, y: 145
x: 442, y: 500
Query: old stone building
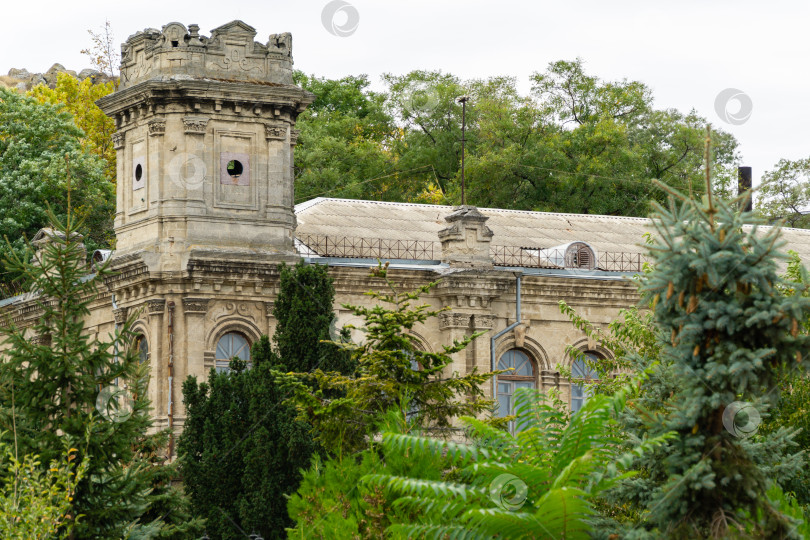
x: 205, y: 212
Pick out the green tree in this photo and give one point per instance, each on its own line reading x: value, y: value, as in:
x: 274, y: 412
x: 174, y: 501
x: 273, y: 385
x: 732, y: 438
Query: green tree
x: 305, y: 321
x: 333, y: 502
x: 785, y: 193
x: 35, y: 138
x: 65, y: 387
x: 79, y: 99
x: 344, y: 140
x: 37, y: 502
x: 725, y: 332
x: 392, y: 373
x: 242, y: 447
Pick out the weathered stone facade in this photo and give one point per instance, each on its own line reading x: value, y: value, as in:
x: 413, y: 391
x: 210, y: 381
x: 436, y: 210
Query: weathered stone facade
x: 199, y: 239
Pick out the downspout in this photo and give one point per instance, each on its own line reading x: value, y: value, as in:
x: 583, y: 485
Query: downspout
x: 170, y: 412
x: 518, y: 275
x: 115, y: 308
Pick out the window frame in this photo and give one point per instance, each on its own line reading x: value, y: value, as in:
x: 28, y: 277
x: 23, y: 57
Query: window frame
x: 513, y: 381
x: 222, y: 365
x: 580, y: 382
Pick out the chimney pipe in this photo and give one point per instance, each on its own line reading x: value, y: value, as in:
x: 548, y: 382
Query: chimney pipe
x: 744, y: 184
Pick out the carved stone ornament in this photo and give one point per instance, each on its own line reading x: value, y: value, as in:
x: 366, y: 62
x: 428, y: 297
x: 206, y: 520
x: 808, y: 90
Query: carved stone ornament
x: 454, y: 320
x: 156, y: 307
x: 44, y: 339
x: 484, y: 322
x: 275, y: 132
x: 120, y: 315
x: 157, y: 127
x: 195, y: 125
x: 294, y: 133
x: 118, y: 140
x: 195, y: 305
x: 268, y: 308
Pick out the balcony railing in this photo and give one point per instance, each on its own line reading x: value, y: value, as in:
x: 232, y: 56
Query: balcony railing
x: 421, y: 250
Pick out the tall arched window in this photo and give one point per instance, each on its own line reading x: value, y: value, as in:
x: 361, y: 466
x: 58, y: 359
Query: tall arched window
x: 230, y: 345
x: 521, y: 376
x: 581, y: 374
x: 142, y: 346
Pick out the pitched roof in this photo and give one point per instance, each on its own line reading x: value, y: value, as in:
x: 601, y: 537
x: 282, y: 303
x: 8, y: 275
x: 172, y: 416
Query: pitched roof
x: 408, y: 221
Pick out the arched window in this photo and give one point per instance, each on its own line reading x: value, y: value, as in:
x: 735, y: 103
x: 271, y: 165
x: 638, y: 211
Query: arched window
x: 142, y: 346
x: 521, y: 376
x: 230, y: 345
x: 581, y: 374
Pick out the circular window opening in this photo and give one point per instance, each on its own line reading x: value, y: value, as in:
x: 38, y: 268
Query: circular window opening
x: 235, y: 168
x: 138, y: 172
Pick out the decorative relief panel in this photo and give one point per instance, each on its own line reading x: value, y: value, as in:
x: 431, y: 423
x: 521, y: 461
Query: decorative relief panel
x: 120, y: 315
x: 157, y: 127
x: 195, y: 125
x: 277, y: 132
x: 484, y: 322
x: 195, y: 305
x: 242, y: 309
x: 118, y: 140
x: 454, y: 320
x: 156, y: 307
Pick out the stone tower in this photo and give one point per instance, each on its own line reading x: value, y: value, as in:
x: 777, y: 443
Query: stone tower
x: 205, y: 137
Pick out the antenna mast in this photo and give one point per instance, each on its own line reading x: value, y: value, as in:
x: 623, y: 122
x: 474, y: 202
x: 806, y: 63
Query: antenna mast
x: 463, y: 100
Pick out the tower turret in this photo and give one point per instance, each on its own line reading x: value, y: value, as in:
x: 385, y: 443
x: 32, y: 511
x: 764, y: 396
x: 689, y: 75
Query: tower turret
x: 205, y: 138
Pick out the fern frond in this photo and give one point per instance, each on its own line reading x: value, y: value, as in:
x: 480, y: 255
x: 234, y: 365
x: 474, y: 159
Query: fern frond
x: 457, y: 453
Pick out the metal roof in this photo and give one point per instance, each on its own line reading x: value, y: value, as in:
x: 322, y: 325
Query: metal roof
x: 408, y: 221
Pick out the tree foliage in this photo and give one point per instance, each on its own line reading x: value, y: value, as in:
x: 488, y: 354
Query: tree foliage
x: 37, y: 502
x: 575, y: 143
x: 242, y: 447
x: 392, y: 373
x: 785, y: 192
x: 725, y: 333
x: 63, y: 388
x: 79, y: 99
x: 38, y: 143
x: 540, y: 483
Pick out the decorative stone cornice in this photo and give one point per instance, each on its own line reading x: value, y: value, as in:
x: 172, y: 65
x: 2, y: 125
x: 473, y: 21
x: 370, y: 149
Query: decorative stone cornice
x: 118, y: 140
x: 195, y: 305
x: 195, y: 125
x: 157, y: 127
x: 275, y: 132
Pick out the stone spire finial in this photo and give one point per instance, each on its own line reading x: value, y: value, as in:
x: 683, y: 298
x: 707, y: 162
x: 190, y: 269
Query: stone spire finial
x: 465, y: 243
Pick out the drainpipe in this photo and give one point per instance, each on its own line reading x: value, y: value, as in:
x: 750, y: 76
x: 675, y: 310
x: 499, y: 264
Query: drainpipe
x: 169, y: 410
x: 502, y: 332
x: 115, y: 308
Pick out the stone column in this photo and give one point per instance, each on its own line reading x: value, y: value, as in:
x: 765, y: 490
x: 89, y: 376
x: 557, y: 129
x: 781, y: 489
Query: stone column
x: 157, y: 357
x: 194, y: 311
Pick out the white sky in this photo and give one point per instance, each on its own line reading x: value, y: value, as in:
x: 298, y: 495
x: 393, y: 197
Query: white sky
x: 687, y: 51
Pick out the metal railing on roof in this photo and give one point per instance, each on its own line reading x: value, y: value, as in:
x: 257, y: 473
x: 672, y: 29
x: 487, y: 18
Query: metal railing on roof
x: 370, y: 248
x: 424, y: 250
x: 530, y: 257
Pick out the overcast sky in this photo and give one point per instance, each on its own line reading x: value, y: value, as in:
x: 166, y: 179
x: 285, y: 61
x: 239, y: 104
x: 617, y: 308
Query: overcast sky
x: 687, y: 51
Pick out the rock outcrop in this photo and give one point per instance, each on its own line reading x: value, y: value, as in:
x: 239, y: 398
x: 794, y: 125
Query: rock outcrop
x: 23, y: 80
